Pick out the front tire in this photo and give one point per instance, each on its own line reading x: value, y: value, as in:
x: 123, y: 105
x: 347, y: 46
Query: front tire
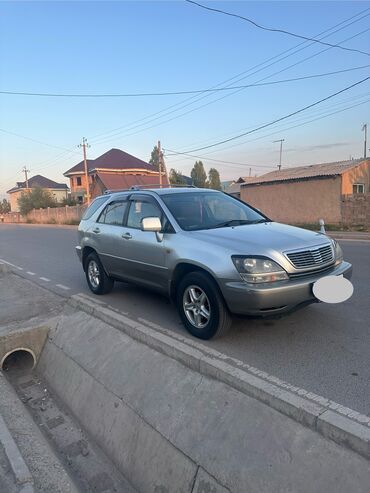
x: 97, y: 279
x: 201, y: 306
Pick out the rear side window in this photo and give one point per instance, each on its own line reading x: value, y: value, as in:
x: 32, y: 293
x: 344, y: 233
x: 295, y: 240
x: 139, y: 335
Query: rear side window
x: 93, y: 207
x: 113, y: 214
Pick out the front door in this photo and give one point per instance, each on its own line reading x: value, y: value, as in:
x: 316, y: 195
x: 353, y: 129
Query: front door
x: 145, y: 257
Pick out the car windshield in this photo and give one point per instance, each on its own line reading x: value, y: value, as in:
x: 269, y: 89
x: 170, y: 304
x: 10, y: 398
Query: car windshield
x: 210, y: 210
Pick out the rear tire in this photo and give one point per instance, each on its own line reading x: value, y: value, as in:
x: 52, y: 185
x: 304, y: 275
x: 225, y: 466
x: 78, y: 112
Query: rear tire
x: 201, y: 306
x: 97, y: 279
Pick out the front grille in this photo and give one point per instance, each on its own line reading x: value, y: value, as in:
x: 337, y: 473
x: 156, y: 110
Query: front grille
x: 315, y: 257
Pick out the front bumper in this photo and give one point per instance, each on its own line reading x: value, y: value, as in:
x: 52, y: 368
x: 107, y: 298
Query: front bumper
x: 278, y: 297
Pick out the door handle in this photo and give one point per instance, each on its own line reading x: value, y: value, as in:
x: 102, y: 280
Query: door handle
x: 127, y: 236
x: 96, y: 230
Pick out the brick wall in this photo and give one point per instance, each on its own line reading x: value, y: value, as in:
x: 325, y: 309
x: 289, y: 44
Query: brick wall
x: 297, y: 201
x: 355, y: 209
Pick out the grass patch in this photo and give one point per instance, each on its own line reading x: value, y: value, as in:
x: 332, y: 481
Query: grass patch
x: 72, y: 222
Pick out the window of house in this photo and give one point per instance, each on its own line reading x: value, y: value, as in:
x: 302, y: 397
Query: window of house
x: 113, y: 214
x: 71, y: 182
x: 358, y: 188
x: 78, y: 180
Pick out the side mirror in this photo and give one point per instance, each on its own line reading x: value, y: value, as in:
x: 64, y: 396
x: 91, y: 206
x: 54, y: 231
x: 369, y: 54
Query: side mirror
x: 151, y: 224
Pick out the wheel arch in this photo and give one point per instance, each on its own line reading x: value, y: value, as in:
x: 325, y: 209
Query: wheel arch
x: 184, y: 268
x: 85, y: 253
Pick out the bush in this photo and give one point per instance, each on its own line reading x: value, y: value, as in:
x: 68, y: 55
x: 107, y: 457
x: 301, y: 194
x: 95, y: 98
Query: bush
x: 37, y: 198
x: 71, y: 222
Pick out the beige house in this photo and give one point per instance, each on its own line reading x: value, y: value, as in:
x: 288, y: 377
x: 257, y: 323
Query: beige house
x: 58, y: 190
x: 306, y: 194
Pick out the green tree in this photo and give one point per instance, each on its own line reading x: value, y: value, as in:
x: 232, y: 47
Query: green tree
x: 4, y: 207
x: 176, y: 177
x: 37, y: 198
x: 154, y: 158
x: 199, y: 175
x: 69, y: 201
x: 214, y: 179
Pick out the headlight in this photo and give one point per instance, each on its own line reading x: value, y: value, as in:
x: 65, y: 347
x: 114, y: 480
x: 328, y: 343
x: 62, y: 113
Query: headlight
x: 256, y: 270
x: 337, y: 252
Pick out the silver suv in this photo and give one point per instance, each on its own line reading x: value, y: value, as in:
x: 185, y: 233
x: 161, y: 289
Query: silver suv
x: 212, y: 254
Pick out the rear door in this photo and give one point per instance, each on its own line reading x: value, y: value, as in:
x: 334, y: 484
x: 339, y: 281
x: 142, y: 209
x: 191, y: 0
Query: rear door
x: 108, y: 232
x: 145, y: 257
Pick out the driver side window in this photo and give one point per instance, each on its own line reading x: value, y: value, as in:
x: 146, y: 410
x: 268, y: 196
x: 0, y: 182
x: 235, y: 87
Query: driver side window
x: 140, y: 209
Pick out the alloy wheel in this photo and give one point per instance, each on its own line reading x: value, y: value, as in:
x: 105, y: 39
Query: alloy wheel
x: 93, y: 273
x: 196, y: 306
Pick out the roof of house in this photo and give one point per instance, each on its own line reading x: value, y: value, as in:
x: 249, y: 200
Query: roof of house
x: 39, y: 181
x: 233, y: 188
x: 113, y: 159
x: 305, y: 172
x: 116, y: 181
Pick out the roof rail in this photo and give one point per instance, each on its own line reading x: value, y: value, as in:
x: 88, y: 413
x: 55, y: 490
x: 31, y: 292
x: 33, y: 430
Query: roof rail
x: 143, y: 187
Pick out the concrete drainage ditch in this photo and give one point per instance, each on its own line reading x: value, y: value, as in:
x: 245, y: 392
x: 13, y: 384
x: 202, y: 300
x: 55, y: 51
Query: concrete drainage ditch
x: 120, y: 413
x: 84, y: 462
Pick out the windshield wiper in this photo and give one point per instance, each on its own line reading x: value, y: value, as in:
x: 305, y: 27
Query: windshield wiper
x: 232, y: 222
x: 260, y: 221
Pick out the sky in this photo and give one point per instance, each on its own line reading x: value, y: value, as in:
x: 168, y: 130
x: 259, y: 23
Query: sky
x: 144, y: 47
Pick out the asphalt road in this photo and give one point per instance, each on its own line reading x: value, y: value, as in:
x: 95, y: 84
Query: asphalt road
x: 322, y: 348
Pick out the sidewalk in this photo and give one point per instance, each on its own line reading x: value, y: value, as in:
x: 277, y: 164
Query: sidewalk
x: 169, y: 426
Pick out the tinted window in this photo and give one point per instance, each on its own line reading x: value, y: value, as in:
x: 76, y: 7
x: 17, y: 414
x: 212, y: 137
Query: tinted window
x: 209, y: 210
x: 94, y: 206
x: 113, y: 214
x: 140, y: 209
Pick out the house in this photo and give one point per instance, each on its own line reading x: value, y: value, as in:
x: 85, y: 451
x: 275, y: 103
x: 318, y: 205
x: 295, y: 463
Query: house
x: 58, y: 190
x: 113, y: 170
x: 233, y: 187
x: 305, y: 194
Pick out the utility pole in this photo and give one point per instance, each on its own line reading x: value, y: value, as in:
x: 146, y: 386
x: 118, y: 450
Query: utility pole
x: 160, y: 163
x: 281, y: 150
x: 84, y: 144
x: 25, y: 171
x: 364, y: 129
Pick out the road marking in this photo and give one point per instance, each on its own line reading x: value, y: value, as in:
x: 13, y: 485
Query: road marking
x: 61, y: 286
x: 9, y: 263
x: 30, y: 273
x: 45, y: 279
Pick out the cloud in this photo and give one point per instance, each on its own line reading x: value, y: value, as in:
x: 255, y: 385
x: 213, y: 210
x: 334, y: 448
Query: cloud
x: 318, y: 147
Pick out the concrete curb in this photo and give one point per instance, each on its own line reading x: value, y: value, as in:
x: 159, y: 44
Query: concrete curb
x: 342, y: 425
x: 19, y: 467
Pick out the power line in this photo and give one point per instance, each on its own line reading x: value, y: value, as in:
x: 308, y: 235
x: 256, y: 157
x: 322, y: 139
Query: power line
x: 283, y: 117
x: 175, y: 153
x: 174, y: 93
x: 233, y: 164
x: 272, y: 29
x: 355, y: 18
x: 285, y: 129
x: 109, y: 138
x: 32, y: 140
x: 321, y: 110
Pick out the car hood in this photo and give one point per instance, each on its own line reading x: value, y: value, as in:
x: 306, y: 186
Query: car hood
x: 254, y: 238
